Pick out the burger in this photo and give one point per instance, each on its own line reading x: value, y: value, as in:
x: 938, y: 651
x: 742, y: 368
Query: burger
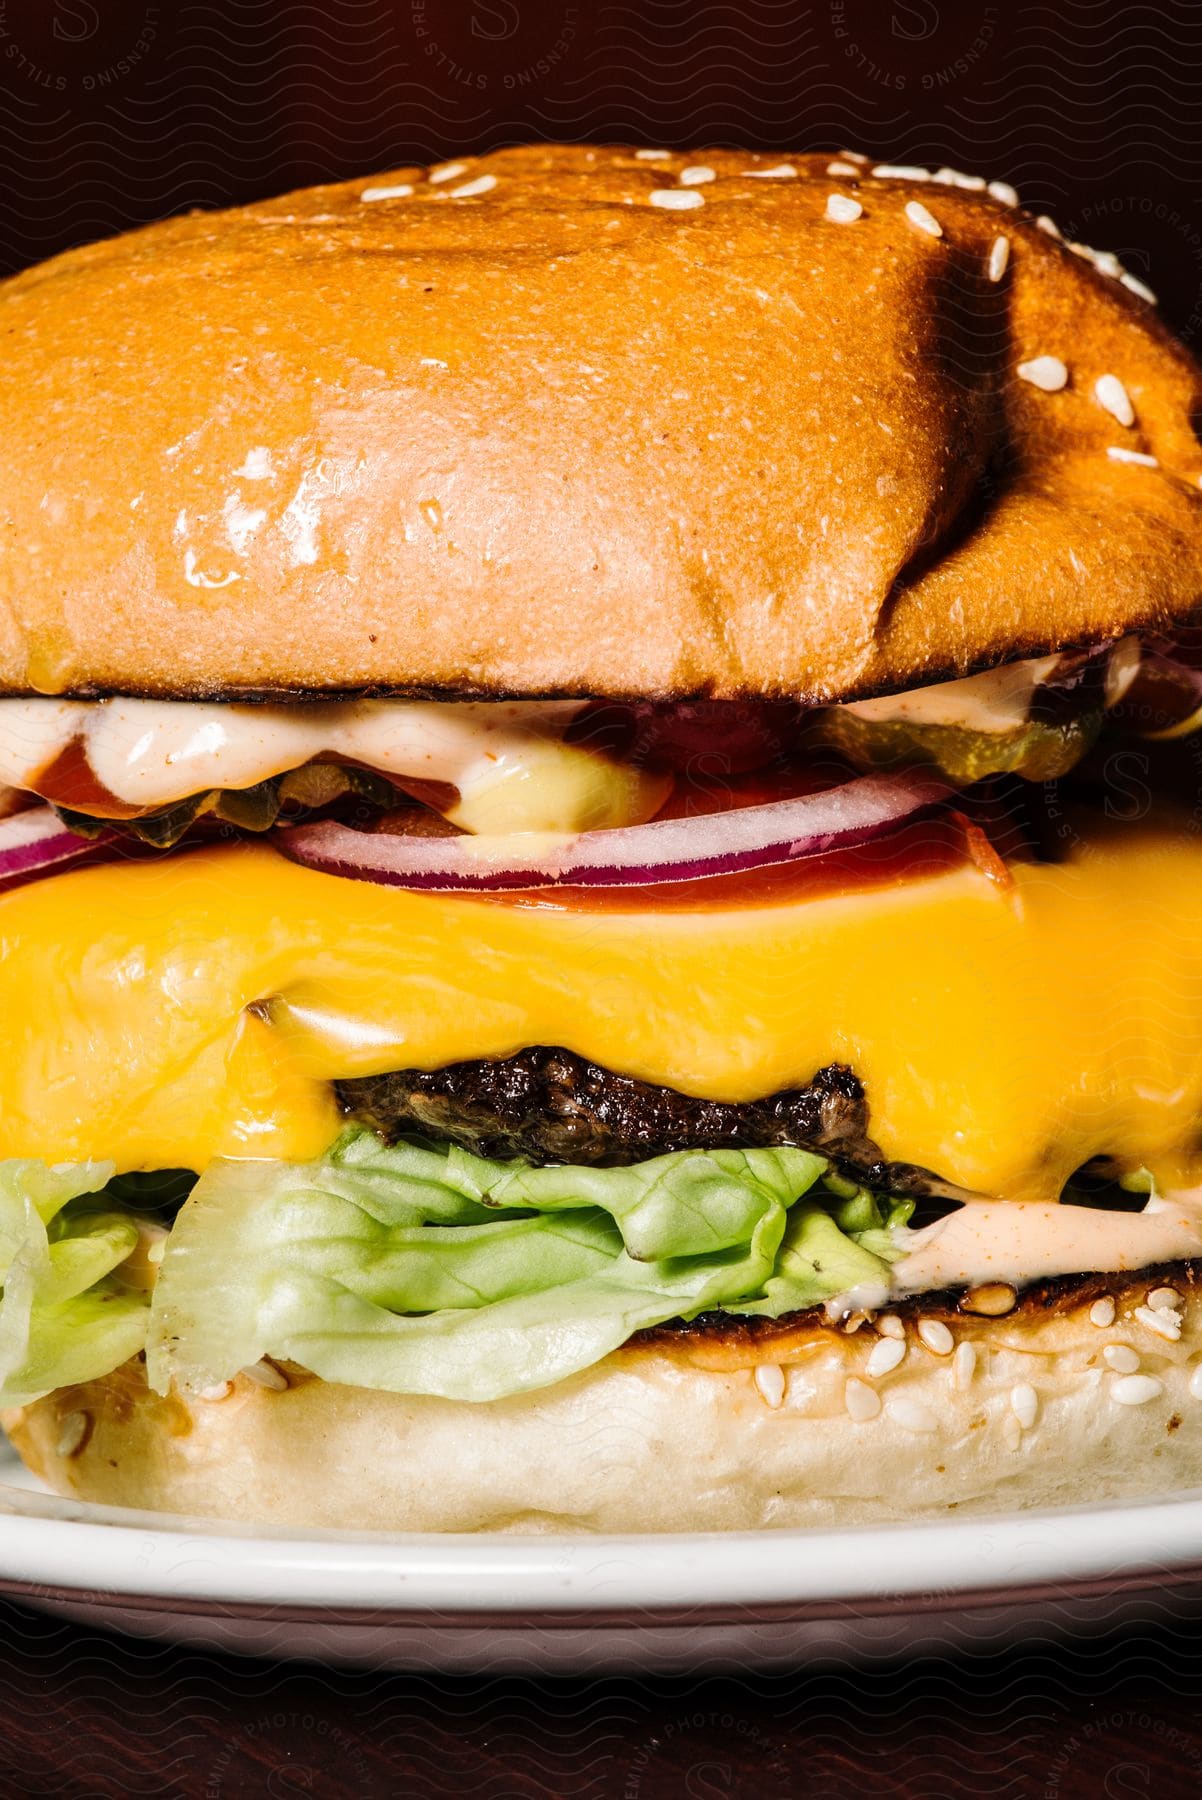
x: 602, y: 884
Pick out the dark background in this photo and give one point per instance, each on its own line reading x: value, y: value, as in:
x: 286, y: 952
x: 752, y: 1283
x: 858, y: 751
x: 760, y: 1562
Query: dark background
x: 1109, y: 1718
x: 113, y: 112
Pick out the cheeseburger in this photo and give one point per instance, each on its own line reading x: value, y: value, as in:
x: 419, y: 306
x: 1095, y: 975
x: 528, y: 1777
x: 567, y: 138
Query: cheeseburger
x: 602, y: 887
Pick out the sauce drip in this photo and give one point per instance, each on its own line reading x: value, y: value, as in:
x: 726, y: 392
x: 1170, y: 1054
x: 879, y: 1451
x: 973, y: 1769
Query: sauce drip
x: 143, y: 754
x: 1021, y: 1241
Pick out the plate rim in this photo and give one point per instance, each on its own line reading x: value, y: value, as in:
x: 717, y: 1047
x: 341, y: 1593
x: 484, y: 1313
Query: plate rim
x: 54, y: 1546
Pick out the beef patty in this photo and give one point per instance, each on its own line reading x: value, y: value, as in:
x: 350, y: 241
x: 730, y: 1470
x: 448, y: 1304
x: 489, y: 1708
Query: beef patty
x: 550, y: 1105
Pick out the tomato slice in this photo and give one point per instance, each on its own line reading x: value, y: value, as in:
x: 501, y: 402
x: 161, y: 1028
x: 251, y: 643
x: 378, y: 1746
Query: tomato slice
x: 68, y: 781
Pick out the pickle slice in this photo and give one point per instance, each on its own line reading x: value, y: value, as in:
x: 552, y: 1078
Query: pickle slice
x: 1038, y: 751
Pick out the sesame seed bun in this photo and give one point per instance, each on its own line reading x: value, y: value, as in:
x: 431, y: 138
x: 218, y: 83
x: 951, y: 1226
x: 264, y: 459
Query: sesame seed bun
x: 570, y: 420
x: 785, y: 1425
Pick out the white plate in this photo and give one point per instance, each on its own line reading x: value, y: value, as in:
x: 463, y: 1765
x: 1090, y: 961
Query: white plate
x: 555, y: 1605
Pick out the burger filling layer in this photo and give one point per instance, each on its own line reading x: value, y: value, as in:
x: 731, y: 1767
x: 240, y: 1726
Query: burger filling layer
x: 468, y: 1144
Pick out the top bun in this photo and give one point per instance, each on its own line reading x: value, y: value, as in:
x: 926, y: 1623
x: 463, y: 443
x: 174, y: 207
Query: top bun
x: 588, y: 421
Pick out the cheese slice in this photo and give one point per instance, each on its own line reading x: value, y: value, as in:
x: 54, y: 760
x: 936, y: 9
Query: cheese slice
x: 163, y: 1013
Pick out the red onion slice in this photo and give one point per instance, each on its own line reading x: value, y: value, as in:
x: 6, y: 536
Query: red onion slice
x: 751, y: 837
x: 36, y: 843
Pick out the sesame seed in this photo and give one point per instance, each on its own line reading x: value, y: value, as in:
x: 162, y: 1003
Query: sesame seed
x: 1121, y: 1358
x: 1135, y: 286
x: 1162, y: 1324
x: 936, y: 1336
x: 972, y: 184
x: 900, y: 172
x: 992, y: 1300
x: 912, y: 1415
x: 221, y: 1391
x: 676, y: 199
x: 402, y: 191
x: 1002, y: 191
x: 1195, y: 1383
x: 842, y: 168
x: 856, y: 156
x: 1101, y: 1313
x: 999, y: 257
x: 1024, y: 1404
x: 264, y: 1374
x: 964, y: 1365
x: 1046, y: 372
x: 862, y: 1402
x: 1110, y: 393
x: 890, y: 1326
x: 884, y: 1357
x: 779, y: 173
x: 841, y: 209
x: 1118, y: 453
x: 74, y: 1432
x: 483, y: 184
x: 1104, y: 261
x: 156, y: 1252
x: 447, y: 172
x: 1165, y: 1299
x: 1012, y: 1432
x: 1049, y: 225
x: 652, y: 155
x: 1136, y: 1390
x: 696, y: 175
x: 918, y: 215
x: 770, y: 1380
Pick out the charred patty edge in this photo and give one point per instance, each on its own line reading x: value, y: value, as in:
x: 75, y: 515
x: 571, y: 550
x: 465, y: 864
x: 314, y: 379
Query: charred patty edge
x: 548, y: 1104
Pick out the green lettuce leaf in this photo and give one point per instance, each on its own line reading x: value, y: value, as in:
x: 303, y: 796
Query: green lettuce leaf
x: 826, y: 1252
x: 64, y: 1316
x: 423, y: 1269
x: 415, y: 1267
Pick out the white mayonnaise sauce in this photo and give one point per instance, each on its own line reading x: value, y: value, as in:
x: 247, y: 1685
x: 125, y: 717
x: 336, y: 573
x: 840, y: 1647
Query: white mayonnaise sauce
x: 998, y: 700
x: 1022, y: 1241
x: 148, y: 753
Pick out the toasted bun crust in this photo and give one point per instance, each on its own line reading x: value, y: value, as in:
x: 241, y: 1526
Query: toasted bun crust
x: 679, y: 1434
x: 529, y: 429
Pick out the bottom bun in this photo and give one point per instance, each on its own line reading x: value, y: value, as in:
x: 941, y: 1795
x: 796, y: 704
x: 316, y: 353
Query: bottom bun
x: 702, y: 1428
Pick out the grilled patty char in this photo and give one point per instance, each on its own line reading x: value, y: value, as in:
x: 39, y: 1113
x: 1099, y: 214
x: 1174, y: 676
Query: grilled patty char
x: 550, y: 1106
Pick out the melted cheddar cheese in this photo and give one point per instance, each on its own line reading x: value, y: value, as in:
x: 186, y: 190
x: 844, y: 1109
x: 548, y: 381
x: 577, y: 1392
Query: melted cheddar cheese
x: 167, y: 1012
